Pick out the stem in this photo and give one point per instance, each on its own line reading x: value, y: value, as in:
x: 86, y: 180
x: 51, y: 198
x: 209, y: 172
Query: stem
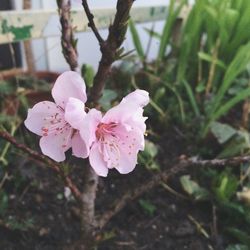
x: 44, y: 159
x: 7, y: 145
x: 109, y: 48
x: 163, y: 176
x: 87, y: 198
x: 68, y: 41
x: 88, y: 205
x: 91, y: 23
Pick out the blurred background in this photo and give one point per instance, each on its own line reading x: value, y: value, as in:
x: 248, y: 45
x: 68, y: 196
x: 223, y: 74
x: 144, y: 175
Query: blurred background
x: 47, y: 51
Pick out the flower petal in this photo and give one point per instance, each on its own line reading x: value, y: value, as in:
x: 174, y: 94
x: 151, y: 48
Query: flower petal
x: 75, y: 112
x: 129, y: 147
x: 38, y: 114
x: 69, y: 84
x: 137, y: 120
x: 79, y: 148
x: 127, y: 107
x: 89, y: 126
x: 140, y: 97
x: 97, y: 162
x: 119, y: 149
x: 55, y: 146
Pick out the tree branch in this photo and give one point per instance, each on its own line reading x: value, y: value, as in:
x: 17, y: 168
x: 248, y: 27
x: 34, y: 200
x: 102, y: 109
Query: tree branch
x: 91, y: 23
x: 163, y: 176
x: 68, y: 41
x: 110, y: 47
x: 44, y: 159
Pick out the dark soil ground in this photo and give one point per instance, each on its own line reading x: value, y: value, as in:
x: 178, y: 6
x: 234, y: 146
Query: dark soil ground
x: 39, y: 196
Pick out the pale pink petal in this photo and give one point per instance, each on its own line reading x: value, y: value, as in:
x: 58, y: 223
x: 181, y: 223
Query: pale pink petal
x: 119, y: 149
x: 127, y: 108
x: 55, y: 146
x: 127, y: 163
x: 137, y: 120
x: 69, y: 84
x: 89, y: 126
x: 37, y: 116
x: 79, y: 148
x: 140, y: 97
x: 75, y: 112
x: 129, y: 146
x: 97, y: 162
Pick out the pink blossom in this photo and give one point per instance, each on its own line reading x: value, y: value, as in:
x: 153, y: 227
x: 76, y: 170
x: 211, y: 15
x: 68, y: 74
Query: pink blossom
x: 113, y: 140
x: 47, y: 119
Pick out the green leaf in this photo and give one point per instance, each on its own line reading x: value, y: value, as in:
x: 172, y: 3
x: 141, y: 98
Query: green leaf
x: 107, y: 98
x: 225, y: 186
x: 222, y: 132
x: 191, y: 98
x: 200, y: 87
x: 159, y: 94
x: 136, y: 40
x: 153, y: 33
x: 151, y: 149
x: 88, y: 74
x: 147, y: 206
x: 237, y: 247
x: 193, y: 188
x: 223, y: 109
x: 237, y: 66
x: 209, y: 58
x: 167, y: 29
x: 243, y: 237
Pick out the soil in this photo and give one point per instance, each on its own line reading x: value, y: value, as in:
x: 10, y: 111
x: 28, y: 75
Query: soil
x: 39, y: 196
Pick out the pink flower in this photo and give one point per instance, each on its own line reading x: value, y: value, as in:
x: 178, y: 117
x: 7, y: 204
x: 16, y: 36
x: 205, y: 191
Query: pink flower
x: 47, y: 118
x: 112, y: 140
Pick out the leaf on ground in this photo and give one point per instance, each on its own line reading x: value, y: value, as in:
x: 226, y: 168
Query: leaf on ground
x: 222, y: 132
x: 193, y: 188
x: 147, y: 206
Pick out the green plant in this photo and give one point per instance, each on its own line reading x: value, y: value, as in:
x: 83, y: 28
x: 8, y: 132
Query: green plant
x: 204, y: 64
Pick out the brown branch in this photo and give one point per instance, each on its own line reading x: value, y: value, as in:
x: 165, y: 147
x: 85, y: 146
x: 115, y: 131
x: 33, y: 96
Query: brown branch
x: 91, y: 23
x: 68, y: 41
x: 44, y: 159
x: 163, y: 176
x: 110, y: 47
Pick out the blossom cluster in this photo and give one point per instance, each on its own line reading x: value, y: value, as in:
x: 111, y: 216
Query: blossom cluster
x: 112, y: 140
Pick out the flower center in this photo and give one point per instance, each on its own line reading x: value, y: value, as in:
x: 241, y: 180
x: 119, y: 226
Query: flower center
x: 105, y: 129
x: 109, y: 143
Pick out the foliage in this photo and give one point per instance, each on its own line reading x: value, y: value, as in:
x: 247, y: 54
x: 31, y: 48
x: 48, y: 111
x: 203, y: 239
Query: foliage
x: 147, y: 206
x: 219, y: 52
x: 197, y: 82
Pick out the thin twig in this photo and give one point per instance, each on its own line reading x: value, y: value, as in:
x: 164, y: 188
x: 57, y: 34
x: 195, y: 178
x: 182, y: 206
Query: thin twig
x: 215, y: 228
x: 199, y: 227
x: 91, y: 23
x: 5, y: 178
x: 42, y: 158
x: 163, y: 176
x: 68, y: 41
x: 172, y: 191
x: 110, y: 47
